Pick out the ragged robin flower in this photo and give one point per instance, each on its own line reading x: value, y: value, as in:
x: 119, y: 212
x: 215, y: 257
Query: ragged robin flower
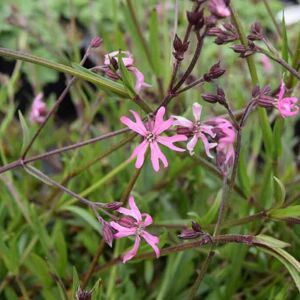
x: 151, y: 132
x: 135, y: 225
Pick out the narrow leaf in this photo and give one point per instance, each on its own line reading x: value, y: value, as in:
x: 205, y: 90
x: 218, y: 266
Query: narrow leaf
x: 25, y: 131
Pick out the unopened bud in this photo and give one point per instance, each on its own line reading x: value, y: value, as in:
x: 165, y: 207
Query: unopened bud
x: 107, y: 234
x: 114, y: 63
x: 256, y: 32
x: 96, y: 42
x: 195, y: 18
x: 215, y: 72
x: 114, y: 205
x: 189, y: 234
x: 179, y: 47
x: 83, y: 295
x: 196, y: 227
x: 210, y: 98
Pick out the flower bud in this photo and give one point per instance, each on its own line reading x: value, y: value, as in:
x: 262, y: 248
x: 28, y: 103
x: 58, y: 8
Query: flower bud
x: 96, y: 42
x: 195, y: 18
x: 107, y: 234
x: 83, y: 295
x: 179, y: 47
x: 114, y: 205
x: 196, y: 227
x: 215, y: 72
x: 256, y: 32
x: 189, y: 234
x: 210, y: 98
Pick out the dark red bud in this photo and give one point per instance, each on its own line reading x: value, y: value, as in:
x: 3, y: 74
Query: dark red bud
x: 255, y: 91
x: 114, y: 205
x: 189, y: 234
x: 108, y: 234
x: 114, y: 63
x: 177, y: 43
x: 210, y: 98
x: 195, y: 18
x: 96, y: 42
x: 83, y: 295
x: 196, y: 227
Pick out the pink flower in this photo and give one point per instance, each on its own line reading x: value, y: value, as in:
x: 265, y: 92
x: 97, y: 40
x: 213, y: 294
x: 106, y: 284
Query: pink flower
x: 225, y: 137
x: 151, y: 132
x: 219, y: 8
x: 135, y: 225
x: 286, y: 106
x: 127, y: 59
x: 198, y: 130
x: 39, y: 110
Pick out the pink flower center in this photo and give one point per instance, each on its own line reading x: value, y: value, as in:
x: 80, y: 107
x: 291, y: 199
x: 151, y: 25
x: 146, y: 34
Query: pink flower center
x: 151, y: 137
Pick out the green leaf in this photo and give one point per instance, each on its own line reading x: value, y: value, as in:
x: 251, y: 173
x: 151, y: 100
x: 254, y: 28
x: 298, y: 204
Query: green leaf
x: 154, y: 41
x: 25, y: 131
x: 211, y: 215
x: 280, y: 194
x: 97, y: 290
x: 285, y: 48
x: 87, y: 217
x: 127, y: 76
x: 104, y: 83
x: 288, y: 212
x: 39, y: 268
x: 270, y: 241
x: 148, y: 271
x: 274, y: 247
x: 76, y: 283
x: 11, y: 260
x: 277, y: 134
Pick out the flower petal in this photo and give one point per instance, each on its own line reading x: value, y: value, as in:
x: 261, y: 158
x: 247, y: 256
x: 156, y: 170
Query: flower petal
x: 122, y: 231
x: 182, y: 121
x: 192, y: 144
x: 197, y: 108
x: 281, y: 90
x: 148, y: 219
x: 160, y: 125
x: 140, y: 152
x: 168, y: 141
x: 140, y: 79
x: 130, y: 254
x: 152, y: 240
x: 135, y: 211
x: 137, y: 126
x: 157, y: 155
x: 207, y: 145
